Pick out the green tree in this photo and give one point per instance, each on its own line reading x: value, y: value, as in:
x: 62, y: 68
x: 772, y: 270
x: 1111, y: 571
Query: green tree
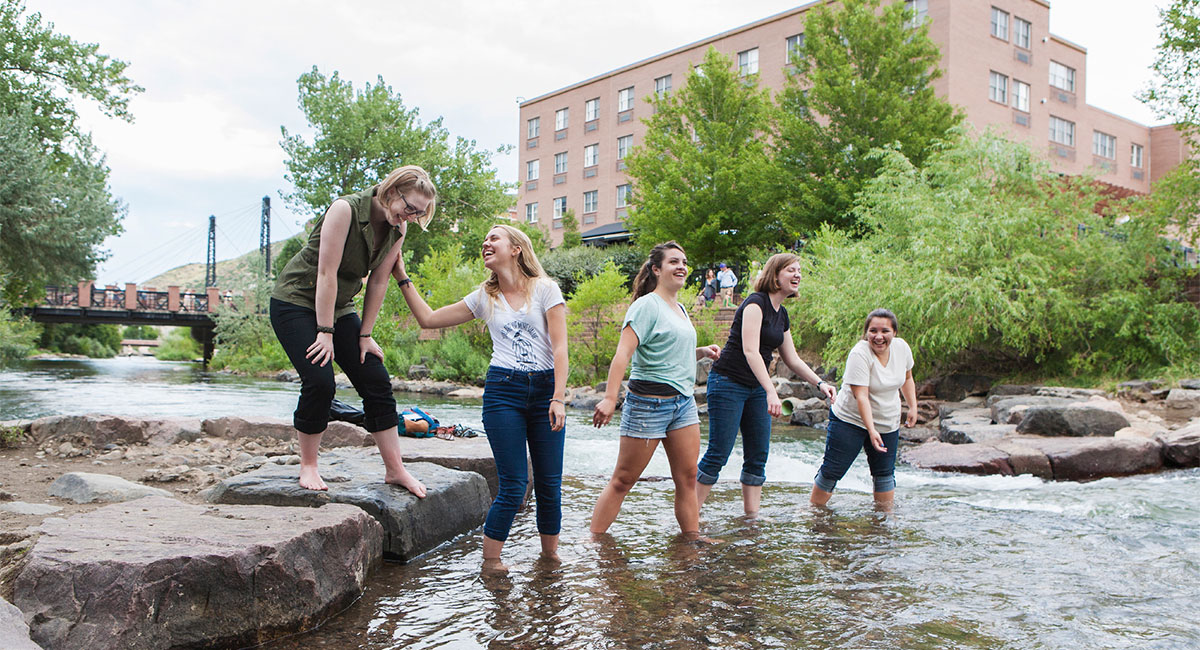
x: 55, y: 205
x: 1174, y: 93
x: 92, y: 340
x: 862, y: 80
x: 139, y: 332
x: 991, y: 260
x: 359, y: 136
x: 287, y: 252
x: 594, y: 323
x: 571, y: 235
x: 703, y: 174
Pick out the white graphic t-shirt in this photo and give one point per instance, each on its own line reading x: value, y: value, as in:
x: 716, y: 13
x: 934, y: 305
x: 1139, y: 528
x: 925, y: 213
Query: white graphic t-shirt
x: 520, y: 338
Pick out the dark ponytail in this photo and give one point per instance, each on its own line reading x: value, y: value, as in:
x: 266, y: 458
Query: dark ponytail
x: 646, y: 281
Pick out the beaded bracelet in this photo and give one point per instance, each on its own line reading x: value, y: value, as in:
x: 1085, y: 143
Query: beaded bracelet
x: 322, y: 329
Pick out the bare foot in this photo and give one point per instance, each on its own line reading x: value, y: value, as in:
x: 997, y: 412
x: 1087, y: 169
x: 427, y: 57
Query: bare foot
x: 406, y: 481
x: 310, y: 479
x: 697, y: 538
x: 493, y: 566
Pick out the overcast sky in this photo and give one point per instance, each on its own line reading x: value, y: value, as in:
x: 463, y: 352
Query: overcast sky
x: 220, y: 79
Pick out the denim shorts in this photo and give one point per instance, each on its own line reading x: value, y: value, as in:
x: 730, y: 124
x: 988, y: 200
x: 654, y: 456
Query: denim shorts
x: 653, y: 417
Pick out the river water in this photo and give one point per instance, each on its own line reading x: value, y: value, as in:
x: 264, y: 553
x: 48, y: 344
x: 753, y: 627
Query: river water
x: 962, y: 562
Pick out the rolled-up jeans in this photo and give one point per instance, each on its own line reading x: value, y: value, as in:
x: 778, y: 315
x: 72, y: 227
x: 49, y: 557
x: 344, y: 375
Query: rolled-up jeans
x: 516, y: 416
x: 842, y: 444
x: 731, y: 406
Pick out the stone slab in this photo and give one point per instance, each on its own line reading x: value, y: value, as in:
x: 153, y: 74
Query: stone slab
x: 14, y: 633
x: 158, y: 573
x: 967, y: 459
x: 1181, y: 447
x: 338, y: 434
x: 1085, y: 459
x: 466, y: 454
x: 103, y: 429
x: 25, y: 508
x: 456, y: 502
x: 85, y: 487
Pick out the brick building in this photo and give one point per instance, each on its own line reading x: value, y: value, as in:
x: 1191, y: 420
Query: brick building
x: 1000, y: 64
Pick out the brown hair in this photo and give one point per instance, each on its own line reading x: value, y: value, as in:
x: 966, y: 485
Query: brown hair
x: 646, y: 281
x: 768, y: 278
x: 881, y: 313
x: 404, y: 179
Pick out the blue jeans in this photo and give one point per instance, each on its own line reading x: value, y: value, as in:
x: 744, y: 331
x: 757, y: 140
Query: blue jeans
x: 731, y: 404
x: 516, y: 414
x: 841, y: 448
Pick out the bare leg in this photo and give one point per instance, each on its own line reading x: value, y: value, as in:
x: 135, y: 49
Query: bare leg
x: 491, y: 556
x: 634, y: 455
x: 884, y: 500
x: 702, y: 491
x: 310, y: 445
x: 751, y: 499
x: 683, y: 450
x: 388, y: 443
x: 819, y: 497
x: 550, y: 548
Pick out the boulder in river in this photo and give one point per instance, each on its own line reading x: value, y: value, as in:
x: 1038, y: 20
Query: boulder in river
x: 158, y: 573
x: 85, y: 487
x: 1098, y: 417
x: 1181, y: 447
x: 1010, y: 409
x: 1184, y: 401
x: 967, y: 459
x: 456, y: 502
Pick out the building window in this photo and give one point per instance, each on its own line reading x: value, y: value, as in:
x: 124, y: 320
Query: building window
x: 623, y: 192
x: 1062, y: 77
x: 561, y: 117
x: 998, y: 88
x: 748, y: 62
x: 1135, y: 155
x: 560, y: 163
x: 795, y: 47
x: 591, y: 109
x: 1022, y: 33
x: 920, y: 11
x: 532, y: 170
x: 535, y: 126
x: 624, y: 99
x: 624, y: 144
x: 560, y: 207
x: 1104, y: 145
x: 1062, y: 131
x: 999, y: 24
x: 662, y: 85
x: 590, y: 201
x: 1020, y: 95
x: 591, y: 155
x: 531, y: 212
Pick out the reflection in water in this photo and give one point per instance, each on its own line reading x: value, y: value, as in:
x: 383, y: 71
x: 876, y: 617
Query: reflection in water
x: 962, y: 562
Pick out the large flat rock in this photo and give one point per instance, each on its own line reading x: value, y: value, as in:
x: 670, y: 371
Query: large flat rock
x: 1098, y: 417
x: 104, y: 429
x: 158, y: 573
x: 456, y: 502
x: 338, y: 434
x: 971, y: 458
x: 85, y: 487
x: 1181, y: 447
x: 1063, y: 459
x: 466, y: 454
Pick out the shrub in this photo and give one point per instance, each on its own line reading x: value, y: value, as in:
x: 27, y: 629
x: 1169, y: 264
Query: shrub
x: 594, y: 315
x: 179, y: 344
x: 17, y: 337
x: 456, y: 358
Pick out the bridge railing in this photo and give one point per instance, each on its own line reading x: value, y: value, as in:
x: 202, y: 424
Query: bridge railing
x: 153, y: 300
x: 62, y: 297
x: 88, y: 296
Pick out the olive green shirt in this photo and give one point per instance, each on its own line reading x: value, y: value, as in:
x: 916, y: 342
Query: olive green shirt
x: 297, y: 283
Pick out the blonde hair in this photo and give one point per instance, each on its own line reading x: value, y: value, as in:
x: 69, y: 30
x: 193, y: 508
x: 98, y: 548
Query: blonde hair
x: 527, y: 263
x: 768, y: 278
x: 407, y: 178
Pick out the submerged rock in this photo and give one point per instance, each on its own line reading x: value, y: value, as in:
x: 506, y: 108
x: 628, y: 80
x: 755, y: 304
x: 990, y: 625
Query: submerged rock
x: 456, y: 502
x: 84, y: 487
x: 158, y: 573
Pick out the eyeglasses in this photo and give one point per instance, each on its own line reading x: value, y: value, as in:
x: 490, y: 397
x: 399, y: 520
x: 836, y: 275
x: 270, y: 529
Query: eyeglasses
x: 409, y: 210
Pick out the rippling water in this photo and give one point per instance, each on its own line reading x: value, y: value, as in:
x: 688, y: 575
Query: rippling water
x: 962, y: 562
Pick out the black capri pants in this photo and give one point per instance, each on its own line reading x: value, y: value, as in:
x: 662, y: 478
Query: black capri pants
x: 296, y: 328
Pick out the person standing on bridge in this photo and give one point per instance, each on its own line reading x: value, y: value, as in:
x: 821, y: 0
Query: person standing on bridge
x: 312, y: 312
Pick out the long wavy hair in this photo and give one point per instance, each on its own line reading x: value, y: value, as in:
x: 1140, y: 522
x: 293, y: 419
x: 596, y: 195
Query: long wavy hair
x: 646, y: 281
x: 527, y: 263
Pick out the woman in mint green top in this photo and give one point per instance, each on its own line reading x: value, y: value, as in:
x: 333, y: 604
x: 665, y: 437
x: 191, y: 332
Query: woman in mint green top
x: 658, y: 337
x: 312, y: 313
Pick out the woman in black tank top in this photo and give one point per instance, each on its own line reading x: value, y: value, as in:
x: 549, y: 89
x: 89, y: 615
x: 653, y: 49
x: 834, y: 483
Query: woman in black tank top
x: 741, y: 393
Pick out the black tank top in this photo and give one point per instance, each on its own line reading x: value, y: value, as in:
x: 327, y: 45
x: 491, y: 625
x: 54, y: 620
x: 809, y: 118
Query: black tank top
x: 775, y: 325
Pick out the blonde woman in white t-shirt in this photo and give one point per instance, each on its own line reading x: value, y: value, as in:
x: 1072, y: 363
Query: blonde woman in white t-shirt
x: 526, y: 382
x: 878, y: 369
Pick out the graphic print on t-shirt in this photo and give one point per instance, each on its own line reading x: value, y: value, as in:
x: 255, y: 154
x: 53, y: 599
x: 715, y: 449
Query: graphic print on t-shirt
x: 520, y: 335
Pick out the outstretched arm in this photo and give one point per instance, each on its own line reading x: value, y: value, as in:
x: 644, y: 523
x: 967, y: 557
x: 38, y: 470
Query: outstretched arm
x: 447, y: 316
x: 787, y: 352
x: 616, y: 374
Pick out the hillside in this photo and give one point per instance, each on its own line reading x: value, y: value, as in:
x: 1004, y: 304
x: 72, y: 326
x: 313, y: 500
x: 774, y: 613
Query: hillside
x: 235, y: 274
